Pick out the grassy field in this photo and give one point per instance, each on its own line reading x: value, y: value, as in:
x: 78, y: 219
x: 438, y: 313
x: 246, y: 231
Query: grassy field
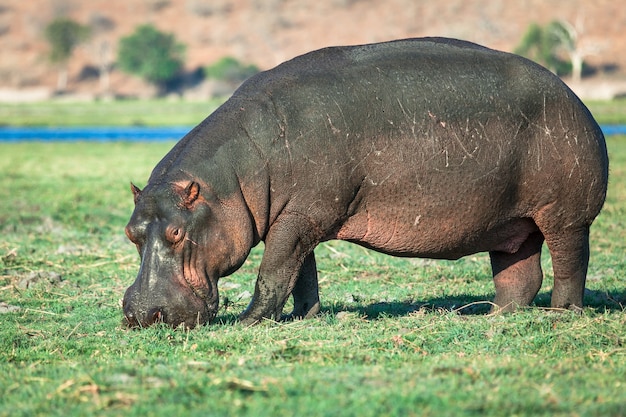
x: 107, y: 113
x: 396, y: 336
x: 166, y: 112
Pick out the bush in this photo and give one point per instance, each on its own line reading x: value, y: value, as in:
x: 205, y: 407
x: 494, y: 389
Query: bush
x: 152, y: 55
x: 541, y: 45
x: 230, y: 70
x: 64, y: 35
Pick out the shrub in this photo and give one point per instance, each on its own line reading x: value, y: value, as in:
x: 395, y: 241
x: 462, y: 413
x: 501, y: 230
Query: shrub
x: 64, y: 35
x: 230, y: 70
x: 152, y: 55
x: 541, y: 44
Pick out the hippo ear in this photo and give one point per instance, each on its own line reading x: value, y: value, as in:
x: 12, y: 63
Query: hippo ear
x: 190, y: 194
x: 136, y: 191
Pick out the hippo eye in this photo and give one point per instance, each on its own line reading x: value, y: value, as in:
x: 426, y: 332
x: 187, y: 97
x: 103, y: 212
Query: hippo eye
x: 173, y: 234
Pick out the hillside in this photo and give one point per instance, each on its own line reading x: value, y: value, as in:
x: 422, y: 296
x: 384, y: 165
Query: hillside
x: 268, y: 32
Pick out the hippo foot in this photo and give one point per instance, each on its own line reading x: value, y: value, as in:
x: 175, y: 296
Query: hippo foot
x: 575, y: 309
x: 302, y: 312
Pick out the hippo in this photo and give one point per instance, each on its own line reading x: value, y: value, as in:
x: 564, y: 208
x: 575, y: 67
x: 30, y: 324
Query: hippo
x: 428, y: 147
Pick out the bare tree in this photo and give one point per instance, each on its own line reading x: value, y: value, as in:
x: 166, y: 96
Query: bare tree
x: 64, y: 35
x: 101, y: 25
x: 570, y: 42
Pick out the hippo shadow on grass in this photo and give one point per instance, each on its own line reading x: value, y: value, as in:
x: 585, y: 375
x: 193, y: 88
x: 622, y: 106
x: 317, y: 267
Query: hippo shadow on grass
x: 470, y: 305
x: 600, y: 301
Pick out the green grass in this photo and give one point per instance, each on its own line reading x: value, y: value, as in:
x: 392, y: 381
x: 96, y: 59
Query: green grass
x: 394, y: 338
x: 609, y: 112
x: 107, y: 113
x: 164, y: 112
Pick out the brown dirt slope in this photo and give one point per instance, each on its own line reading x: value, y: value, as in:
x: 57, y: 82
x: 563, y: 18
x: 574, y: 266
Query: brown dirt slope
x: 266, y: 32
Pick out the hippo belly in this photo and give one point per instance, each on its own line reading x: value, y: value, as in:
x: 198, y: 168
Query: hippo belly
x: 436, y: 238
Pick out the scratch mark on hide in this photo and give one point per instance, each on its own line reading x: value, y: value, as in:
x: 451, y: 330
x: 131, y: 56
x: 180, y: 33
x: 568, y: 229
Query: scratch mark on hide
x: 282, y: 123
x: 589, y: 194
x: 367, y: 155
x: 368, y: 224
x: 484, y: 135
x: 381, y: 181
x: 411, y: 122
x: 288, y: 147
x: 547, y: 130
x: 518, y: 130
x: 332, y: 127
x: 313, y: 204
x: 343, y: 116
x: 576, y: 165
x: 486, y: 174
x: 417, y: 220
x: 436, y: 119
x: 469, y: 155
x: 254, y: 143
x: 393, y: 233
x: 562, y: 124
x: 360, y: 162
x: 525, y: 117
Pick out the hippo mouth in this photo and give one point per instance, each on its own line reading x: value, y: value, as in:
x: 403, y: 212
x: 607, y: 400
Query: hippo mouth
x: 180, y: 305
x: 193, y: 315
x: 164, y: 315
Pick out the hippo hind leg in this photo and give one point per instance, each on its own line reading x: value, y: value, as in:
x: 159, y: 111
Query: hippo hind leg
x: 306, y: 301
x: 517, y: 276
x: 569, y: 250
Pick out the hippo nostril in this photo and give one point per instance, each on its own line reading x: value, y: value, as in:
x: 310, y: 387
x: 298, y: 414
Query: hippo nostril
x: 156, y: 315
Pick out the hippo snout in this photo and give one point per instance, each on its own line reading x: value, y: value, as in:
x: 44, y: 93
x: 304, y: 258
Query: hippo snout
x: 188, y: 318
x: 135, y: 319
x: 187, y: 310
x: 138, y: 314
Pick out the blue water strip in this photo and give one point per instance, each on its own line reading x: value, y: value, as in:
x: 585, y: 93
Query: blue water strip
x: 133, y: 133
x: 92, y: 134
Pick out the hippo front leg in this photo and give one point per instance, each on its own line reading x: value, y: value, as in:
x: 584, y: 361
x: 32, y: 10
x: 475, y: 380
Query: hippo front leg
x: 288, y: 256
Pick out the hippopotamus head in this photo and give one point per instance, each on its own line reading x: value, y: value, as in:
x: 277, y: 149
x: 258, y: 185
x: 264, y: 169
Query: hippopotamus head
x: 184, y: 248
